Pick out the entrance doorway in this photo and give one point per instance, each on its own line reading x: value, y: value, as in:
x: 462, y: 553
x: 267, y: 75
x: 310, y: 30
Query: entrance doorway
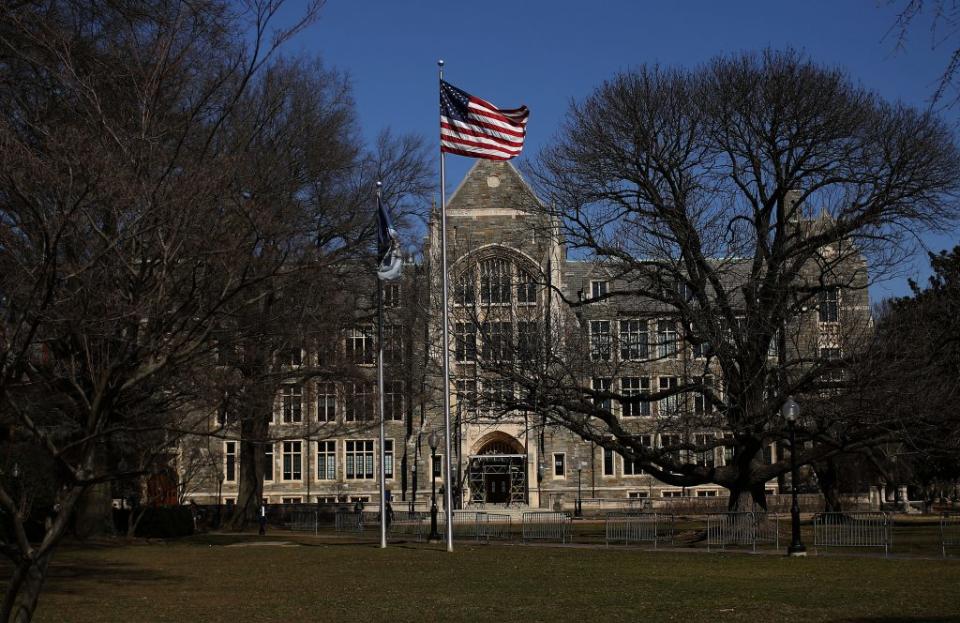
x: 497, y: 474
x: 497, y: 488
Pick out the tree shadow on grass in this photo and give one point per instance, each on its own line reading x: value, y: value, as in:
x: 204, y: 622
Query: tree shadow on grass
x: 73, y: 577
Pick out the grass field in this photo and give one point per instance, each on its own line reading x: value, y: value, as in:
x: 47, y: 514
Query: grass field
x: 246, y: 578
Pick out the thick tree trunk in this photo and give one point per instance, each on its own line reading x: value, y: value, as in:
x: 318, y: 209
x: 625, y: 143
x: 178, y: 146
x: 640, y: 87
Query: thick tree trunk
x: 747, y: 493
x: 253, y: 432
x: 23, y: 591
x: 828, y: 476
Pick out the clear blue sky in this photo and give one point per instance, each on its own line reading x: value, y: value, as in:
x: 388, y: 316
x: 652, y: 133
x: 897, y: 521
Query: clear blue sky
x: 543, y: 53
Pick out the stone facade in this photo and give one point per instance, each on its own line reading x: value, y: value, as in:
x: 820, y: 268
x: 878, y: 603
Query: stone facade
x: 494, y: 242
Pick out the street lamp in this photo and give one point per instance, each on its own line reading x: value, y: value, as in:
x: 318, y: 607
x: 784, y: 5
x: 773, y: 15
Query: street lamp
x: 434, y: 441
x: 578, y: 507
x: 220, y: 478
x: 790, y: 412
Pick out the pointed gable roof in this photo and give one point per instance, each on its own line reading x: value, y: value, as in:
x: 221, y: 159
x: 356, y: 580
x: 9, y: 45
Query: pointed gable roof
x: 491, y: 187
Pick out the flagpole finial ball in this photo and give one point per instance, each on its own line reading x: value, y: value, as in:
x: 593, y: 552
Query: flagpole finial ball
x: 440, y: 62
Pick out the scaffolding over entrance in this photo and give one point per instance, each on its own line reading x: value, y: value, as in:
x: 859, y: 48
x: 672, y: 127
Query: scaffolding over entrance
x: 498, y: 479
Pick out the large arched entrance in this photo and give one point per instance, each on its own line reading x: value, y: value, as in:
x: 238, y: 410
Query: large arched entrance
x: 497, y: 471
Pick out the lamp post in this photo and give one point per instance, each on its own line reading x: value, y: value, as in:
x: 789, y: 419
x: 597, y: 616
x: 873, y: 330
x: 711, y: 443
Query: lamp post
x: 791, y: 411
x: 578, y: 507
x: 433, y: 440
x: 220, y: 478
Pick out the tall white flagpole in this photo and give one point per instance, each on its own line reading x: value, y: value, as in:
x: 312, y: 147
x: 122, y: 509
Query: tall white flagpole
x: 447, y: 482
x: 383, y: 480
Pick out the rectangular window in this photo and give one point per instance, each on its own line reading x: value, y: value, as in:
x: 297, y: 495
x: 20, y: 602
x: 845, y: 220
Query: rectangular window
x: 676, y: 493
x: 294, y: 356
x: 671, y: 444
x: 598, y: 289
x: 359, y: 459
x: 465, y: 340
x: 560, y: 465
x: 609, y: 468
x: 291, y: 398
x: 268, y: 462
x: 638, y: 495
x: 391, y: 295
x: 702, y: 350
x: 327, y: 460
x: 831, y: 374
x: 701, y: 404
x: 327, y: 402
x: 829, y: 307
x: 634, y: 389
x: 360, y: 345
x: 292, y: 460
x: 466, y: 396
x: 464, y: 289
x: 497, y: 395
x: 392, y: 343
x: 296, y: 500
x: 388, y: 459
x: 393, y: 400
x: 600, y: 340
x: 669, y: 405
x: 634, y: 339
x: 495, y: 283
x: 526, y: 289
x: 497, y: 341
x: 728, y: 448
x: 359, y: 402
x: 635, y: 467
x: 230, y: 461
x: 527, y: 340
x: 710, y: 493
x: 705, y: 455
x: 437, y: 469
x: 666, y: 338
x: 602, y: 385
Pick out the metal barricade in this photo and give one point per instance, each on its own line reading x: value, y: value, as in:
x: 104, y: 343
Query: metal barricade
x: 348, y: 521
x: 546, y: 526
x: 629, y: 528
x: 304, y: 521
x: 853, y: 530
x: 949, y: 531
x: 408, y: 525
x: 497, y: 526
x: 742, y: 529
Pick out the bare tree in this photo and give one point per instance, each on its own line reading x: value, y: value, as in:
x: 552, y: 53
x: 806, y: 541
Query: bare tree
x: 944, y: 19
x: 741, y: 204
x: 126, y: 231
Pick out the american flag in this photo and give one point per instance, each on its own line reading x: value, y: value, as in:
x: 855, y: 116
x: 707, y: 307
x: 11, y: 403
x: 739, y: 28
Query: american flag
x: 470, y: 126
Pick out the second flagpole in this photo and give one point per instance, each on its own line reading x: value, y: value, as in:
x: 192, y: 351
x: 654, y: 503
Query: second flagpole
x: 447, y: 482
x: 383, y: 472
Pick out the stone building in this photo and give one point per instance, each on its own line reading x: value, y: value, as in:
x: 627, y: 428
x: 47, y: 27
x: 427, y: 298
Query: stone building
x: 508, y: 271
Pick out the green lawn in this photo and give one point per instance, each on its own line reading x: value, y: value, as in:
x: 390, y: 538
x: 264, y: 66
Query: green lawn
x: 224, y: 578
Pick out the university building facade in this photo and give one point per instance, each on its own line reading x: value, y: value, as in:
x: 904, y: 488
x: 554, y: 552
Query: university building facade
x: 508, y: 276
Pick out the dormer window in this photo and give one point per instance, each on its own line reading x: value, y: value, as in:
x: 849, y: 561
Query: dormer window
x: 598, y: 289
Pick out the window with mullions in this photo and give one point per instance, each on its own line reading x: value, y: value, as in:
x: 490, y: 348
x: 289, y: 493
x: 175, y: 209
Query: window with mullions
x: 497, y: 341
x: 391, y: 295
x: 609, y: 464
x: 466, y: 396
x: 600, y: 340
x: 829, y: 357
x: 635, y: 467
x: 327, y: 460
x: 291, y: 403
x: 707, y: 456
x: 633, y: 340
x: 601, y: 385
x: 495, y: 283
x: 392, y: 343
x: 829, y: 305
x: 666, y: 338
x: 497, y: 395
x: 670, y: 404
x: 527, y: 340
x: 293, y: 356
x: 268, y: 462
x: 230, y: 461
x: 292, y: 460
x: 465, y: 341
x: 631, y: 386
x: 359, y: 459
x: 360, y: 345
x: 388, y: 458
x: 700, y: 402
x: 671, y: 444
x: 359, y: 402
x: 598, y: 289
x: 463, y: 289
x: 559, y: 465
x: 526, y: 288
x: 393, y: 400
x: 326, y: 402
